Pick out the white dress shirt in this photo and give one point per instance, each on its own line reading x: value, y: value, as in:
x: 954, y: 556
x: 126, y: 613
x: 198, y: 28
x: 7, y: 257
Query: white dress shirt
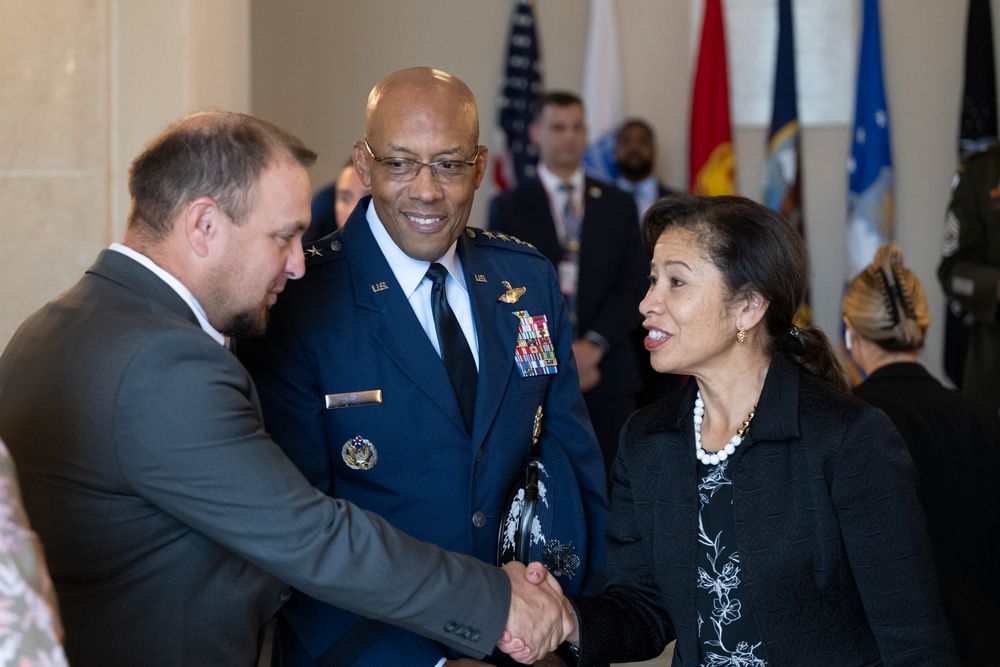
x: 411, y: 275
x: 557, y: 197
x: 645, y: 192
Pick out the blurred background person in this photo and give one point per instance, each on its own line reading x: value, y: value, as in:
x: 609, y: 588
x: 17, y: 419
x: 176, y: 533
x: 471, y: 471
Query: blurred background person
x: 969, y: 271
x: 588, y: 229
x: 760, y: 516
x: 635, y: 155
x: 332, y: 205
x: 886, y: 319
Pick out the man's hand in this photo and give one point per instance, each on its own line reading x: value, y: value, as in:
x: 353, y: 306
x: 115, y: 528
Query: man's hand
x: 588, y: 356
x: 540, y: 618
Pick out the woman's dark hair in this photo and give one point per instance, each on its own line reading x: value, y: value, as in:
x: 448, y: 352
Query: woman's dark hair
x: 756, y: 250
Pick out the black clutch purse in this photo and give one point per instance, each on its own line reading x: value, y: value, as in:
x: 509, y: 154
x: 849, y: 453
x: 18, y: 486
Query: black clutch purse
x: 526, y: 523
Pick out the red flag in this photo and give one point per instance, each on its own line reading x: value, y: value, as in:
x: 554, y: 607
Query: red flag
x: 712, y: 162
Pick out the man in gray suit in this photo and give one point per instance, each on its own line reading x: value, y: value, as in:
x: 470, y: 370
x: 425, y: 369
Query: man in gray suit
x: 172, y: 524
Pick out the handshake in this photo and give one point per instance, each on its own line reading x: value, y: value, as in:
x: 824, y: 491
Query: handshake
x: 540, y: 616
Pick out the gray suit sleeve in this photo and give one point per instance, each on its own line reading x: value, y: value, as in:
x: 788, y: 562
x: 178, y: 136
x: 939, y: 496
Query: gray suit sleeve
x: 192, y: 443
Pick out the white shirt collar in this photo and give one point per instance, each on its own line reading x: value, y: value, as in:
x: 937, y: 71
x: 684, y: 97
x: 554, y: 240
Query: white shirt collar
x: 645, y: 192
x: 408, y: 271
x: 552, y: 182
x: 645, y: 186
x: 175, y: 285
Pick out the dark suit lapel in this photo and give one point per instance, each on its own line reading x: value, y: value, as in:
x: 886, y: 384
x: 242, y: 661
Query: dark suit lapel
x: 393, y: 324
x: 594, y: 252
x: 544, y: 237
x: 496, y: 330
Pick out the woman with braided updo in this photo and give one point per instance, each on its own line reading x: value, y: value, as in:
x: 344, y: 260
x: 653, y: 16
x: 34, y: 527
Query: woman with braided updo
x: 761, y: 515
x: 953, y: 442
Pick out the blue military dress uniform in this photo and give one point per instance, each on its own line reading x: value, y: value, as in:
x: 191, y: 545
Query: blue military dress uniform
x: 354, y: 392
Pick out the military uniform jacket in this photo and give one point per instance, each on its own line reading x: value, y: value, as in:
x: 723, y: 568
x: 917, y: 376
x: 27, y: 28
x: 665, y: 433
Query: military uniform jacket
x: 970, y: 267
x: 613, y: 267
x: 347, y: 328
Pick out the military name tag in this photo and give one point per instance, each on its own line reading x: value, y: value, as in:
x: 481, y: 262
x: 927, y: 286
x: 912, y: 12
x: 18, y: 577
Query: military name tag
x: 353, y: 399
x: 534, y: 353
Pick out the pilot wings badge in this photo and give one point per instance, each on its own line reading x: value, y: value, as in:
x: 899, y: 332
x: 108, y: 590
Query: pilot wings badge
x: 512, y: 294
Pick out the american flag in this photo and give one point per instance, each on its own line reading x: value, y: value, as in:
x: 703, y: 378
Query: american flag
x: 516, y: 156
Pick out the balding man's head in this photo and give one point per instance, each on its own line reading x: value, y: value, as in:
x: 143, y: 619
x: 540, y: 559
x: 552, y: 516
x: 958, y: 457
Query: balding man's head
x: 421, y: 90
x: 416, y: 117
x: 217, y: 154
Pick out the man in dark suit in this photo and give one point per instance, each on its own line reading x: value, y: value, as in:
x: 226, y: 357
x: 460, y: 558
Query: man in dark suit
x: 170, y: 519
x: 635, y: 155
x: 589, y: 231
x: 360, y: 386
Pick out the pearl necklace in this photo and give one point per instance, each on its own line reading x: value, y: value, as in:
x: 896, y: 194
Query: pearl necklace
x: 727, y: 451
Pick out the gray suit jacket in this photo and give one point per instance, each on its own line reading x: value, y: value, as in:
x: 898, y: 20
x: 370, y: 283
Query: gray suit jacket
x: 165, y: 508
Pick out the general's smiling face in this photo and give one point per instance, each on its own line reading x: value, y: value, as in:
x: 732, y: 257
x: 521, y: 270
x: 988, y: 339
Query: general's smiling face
x: 691, y: 324
x: 425, y: 215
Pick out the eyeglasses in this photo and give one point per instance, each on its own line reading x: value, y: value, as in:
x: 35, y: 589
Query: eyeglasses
x: 444, y: 171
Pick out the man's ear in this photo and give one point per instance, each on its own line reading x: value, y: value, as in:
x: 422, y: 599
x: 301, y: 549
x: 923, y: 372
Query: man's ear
x: 484, y: 154
x: 202, y: 220
x: 360, y: 157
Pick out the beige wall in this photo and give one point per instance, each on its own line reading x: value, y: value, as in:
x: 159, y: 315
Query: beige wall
x: 315, y: 60
x: 83, y: 85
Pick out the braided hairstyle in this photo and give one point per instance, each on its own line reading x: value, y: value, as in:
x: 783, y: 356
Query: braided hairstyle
x: 756, y: 250
x: 886, y: 303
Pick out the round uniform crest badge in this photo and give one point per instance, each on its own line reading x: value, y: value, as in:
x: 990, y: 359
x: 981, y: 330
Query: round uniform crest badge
x: 359, y: 453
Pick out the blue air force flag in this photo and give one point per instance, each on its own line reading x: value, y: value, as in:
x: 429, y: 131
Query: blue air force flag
x: 870, y: 217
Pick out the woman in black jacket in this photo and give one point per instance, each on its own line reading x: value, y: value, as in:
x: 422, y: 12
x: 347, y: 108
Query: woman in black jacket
x: 761, y: 515
x: 955, y: 445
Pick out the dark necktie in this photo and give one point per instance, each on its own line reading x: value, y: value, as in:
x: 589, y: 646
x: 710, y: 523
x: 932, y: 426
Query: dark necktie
x: 455, y: 350
x: 569, y: 267
x: 571, y: 221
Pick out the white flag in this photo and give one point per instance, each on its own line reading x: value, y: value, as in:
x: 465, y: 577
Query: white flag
x: 602, y: 90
